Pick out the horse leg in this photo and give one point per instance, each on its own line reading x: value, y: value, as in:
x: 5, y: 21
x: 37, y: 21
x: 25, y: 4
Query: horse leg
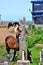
x: 7, y: 48
x: 14, y: 55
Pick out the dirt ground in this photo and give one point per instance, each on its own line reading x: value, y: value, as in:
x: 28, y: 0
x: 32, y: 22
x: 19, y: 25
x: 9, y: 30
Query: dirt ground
x: 3, y: 33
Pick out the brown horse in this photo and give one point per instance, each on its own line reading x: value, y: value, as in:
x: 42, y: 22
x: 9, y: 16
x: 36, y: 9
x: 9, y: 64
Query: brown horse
x: 12, y: 42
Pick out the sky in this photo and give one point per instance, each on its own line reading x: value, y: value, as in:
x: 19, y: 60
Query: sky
x: 15, y: 9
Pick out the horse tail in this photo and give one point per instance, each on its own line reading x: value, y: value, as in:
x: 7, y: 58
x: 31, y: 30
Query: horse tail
x: 7, y: 47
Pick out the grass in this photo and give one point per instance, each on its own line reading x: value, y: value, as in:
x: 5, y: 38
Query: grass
x: 3, y: 53
x: 35, y: 55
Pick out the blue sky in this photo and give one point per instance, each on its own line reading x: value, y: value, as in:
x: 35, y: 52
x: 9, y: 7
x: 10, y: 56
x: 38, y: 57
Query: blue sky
x: 15, y: 9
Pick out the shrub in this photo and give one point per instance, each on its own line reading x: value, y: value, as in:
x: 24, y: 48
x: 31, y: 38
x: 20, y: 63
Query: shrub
x: 34, y: 40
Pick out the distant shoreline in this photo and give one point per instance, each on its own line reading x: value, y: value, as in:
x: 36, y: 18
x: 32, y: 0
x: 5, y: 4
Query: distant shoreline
x: 15, y: 21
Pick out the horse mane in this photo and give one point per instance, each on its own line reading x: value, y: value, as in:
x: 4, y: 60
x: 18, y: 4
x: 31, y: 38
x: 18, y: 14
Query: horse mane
x: 13, y: 24
x: 16, y: 23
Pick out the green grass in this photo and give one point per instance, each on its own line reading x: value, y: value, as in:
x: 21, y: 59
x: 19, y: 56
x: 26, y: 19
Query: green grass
x: 35, y: 55
x: 3, y: 53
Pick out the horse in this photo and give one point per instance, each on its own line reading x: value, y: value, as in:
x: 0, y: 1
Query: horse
x: 12, y: 42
